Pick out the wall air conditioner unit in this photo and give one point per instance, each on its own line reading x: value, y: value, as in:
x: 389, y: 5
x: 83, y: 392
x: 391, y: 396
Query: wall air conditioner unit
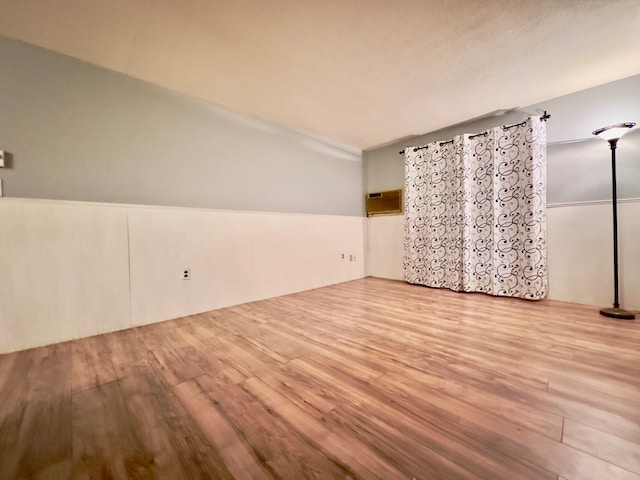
x: 384, y: 203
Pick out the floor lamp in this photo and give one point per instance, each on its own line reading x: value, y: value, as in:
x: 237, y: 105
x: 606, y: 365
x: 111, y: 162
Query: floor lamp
x: 612, y: 134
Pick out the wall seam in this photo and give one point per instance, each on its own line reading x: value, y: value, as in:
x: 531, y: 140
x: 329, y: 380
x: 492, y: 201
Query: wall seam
x: 129, y: 271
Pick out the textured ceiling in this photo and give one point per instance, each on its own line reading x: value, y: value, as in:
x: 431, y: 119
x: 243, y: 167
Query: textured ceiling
x: 354, y: 72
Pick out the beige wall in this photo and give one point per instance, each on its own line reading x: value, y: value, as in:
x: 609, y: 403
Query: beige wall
x: 578, y: 166
x: 579, y: 253
x: 74, y: 269
x: 79, y: 132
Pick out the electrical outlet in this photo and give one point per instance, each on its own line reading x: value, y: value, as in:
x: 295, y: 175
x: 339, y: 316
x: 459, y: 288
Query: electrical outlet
x: 342, y: 255
x: 186, y: 274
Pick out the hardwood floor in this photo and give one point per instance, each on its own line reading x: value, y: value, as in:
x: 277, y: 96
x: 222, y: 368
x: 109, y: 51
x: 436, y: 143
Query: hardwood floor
x: 370, y: 379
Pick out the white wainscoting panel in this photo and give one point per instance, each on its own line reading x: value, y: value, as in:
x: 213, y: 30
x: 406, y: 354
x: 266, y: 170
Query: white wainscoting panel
x: 580, y: 252
x: 63, y: 270
x: 234, y: 257
x: 215, y: 246
x: 385, y: 247
x: 346, y: 235
x: 75, y: 269
x: 286, y: 250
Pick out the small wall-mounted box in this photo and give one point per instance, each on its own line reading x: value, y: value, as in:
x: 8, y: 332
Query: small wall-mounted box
x: 384, y: 203
x: 2, y: 156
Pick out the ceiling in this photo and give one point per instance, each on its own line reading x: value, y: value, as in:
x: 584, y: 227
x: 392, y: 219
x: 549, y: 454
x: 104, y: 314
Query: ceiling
x: 358, y: 73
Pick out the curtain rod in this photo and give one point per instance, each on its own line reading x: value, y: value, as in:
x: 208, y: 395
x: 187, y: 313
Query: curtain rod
x: 545, y: 116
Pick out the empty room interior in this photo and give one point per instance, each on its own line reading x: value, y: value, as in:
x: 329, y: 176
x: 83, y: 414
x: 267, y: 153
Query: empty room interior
x: 280, y: 239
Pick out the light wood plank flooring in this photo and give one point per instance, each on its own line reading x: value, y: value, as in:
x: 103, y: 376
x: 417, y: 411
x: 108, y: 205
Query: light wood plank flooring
x: 370, y: 379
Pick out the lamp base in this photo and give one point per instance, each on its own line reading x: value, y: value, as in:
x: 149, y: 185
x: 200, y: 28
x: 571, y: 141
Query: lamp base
x: 619, y: 313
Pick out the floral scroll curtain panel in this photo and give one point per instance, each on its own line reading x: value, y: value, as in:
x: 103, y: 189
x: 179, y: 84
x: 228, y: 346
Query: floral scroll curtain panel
x: 475, y: 212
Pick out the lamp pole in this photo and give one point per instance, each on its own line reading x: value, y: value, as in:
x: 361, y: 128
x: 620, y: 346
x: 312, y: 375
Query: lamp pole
x: 612, y: 134
x: 613, y: 143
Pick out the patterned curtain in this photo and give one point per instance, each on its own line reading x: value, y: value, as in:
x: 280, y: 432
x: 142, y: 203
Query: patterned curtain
x: 475, y: 212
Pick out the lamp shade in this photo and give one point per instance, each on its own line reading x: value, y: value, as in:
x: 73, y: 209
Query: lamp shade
x: 614, y: 132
